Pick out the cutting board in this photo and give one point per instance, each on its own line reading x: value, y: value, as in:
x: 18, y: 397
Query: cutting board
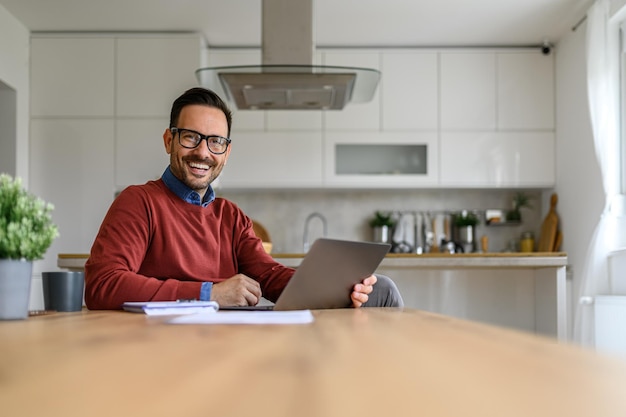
x: 549, y: 228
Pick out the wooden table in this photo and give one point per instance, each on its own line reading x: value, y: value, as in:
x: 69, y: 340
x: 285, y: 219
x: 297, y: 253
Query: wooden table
x: 367, y: 362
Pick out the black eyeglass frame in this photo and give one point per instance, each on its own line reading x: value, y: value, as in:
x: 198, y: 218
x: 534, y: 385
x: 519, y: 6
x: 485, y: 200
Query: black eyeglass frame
x: 178, y: 130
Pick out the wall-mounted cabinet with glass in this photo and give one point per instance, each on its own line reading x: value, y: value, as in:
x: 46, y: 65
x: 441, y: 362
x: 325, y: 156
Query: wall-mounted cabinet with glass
x: 381, y: 159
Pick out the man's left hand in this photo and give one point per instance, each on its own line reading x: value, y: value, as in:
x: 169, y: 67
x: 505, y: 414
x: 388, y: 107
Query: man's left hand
x: 361, y: 290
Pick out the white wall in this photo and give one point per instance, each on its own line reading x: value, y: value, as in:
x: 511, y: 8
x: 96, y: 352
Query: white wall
x: 14, y: 72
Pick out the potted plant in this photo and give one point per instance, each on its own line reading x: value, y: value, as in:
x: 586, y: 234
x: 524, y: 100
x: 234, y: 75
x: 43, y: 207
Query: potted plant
x: 520, y: 200
x: 381, y: 224
x: 464, y: 230
x: 26, y: 233
x: 466, y: 218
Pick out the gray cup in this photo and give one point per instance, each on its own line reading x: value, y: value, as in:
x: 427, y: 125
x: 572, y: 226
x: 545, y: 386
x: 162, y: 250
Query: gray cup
x: 63, y: 290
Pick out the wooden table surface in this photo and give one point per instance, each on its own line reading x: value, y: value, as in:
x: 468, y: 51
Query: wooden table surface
x: 365, y: 362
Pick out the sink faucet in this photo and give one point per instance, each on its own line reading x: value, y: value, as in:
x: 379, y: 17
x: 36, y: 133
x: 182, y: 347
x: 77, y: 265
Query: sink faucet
x: 305, y: 239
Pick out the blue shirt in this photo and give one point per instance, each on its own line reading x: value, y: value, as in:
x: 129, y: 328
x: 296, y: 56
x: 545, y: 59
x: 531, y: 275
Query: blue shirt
x: 192, y: 197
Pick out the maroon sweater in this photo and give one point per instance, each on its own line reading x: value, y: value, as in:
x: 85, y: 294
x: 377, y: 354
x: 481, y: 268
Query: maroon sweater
x: 154, y: 246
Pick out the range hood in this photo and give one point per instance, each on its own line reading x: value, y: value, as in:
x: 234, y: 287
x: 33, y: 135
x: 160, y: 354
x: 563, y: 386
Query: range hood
x: 287, y: 78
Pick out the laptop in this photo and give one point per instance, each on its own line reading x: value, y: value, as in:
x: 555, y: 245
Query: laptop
x: 327, y: 274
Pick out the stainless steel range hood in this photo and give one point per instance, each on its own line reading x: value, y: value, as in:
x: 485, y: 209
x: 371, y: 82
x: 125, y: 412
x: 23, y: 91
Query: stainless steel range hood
x: 287, y: 79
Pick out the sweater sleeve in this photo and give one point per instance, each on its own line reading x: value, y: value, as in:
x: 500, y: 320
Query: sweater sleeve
x: 254, y: 262
x: 111, y: 272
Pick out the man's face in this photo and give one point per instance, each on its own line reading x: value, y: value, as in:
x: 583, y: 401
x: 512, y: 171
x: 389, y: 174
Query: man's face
x: 198, y: 167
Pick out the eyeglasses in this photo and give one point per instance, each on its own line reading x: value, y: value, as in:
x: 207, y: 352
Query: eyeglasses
x: 190, y: 139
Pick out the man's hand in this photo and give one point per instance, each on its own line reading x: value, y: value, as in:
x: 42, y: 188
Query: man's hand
x: 361, y: 290
x: 238, y: 290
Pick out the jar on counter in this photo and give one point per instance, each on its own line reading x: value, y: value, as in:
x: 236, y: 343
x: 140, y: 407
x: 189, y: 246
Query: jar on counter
x: 527, y: 242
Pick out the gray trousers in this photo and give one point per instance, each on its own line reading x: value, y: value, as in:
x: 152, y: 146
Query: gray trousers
x: 385, y: 294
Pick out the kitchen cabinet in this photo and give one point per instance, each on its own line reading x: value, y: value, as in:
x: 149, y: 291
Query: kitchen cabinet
x: 497, y: 159
x: 151, y: 71
x: 72, y: 167
x: 373, y: 159
x: 139, y: 151
x: 526, y: 293
x: 498, y: 90
x: 409, y: 90
x: 355, y: 116
x: 274, y: 160
x: 497, y: 119
x: 99, y: 106
x: 72, y: 76
x: 468, y: 91
x: 525, y: 88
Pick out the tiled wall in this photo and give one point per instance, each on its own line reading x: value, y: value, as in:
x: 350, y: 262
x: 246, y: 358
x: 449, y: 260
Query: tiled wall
x: 283, y: 213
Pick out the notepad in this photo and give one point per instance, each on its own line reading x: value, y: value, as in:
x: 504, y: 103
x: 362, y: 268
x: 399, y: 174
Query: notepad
x: 165, y: 308
x: 247, y: 317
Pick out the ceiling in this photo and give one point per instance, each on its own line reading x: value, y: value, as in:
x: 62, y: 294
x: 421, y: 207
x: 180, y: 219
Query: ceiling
x: 350, y: 23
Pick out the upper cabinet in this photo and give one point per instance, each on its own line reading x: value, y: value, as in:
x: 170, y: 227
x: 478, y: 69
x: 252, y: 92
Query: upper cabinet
x: 410, y: 90
x: 525, y: 85
x: 274, y: 160
x: 152, y: 71
x: 468, y: 91
x: 129, y: 80
x: 497, y: 119
x: 354, y: 116
x: 497, y: 90
x: 439, y: 118
x: 72, y: 76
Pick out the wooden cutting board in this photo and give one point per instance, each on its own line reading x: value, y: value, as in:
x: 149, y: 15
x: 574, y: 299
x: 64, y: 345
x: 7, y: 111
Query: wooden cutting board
x: 549, y: 228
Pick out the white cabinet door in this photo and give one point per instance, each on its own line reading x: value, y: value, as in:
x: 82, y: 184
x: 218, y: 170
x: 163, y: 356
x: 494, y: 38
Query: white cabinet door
x: 497, y: 159
x: 355, y: 116
x: 139, y: 151
x: 468, y: 90
x: 381, y: 160
x: 274, y: 160
x: 153, y: 71
x: 71, y: 166
x: 242, y: 119
x: 525, y: 91
x: 72, y: 76
x: 409, y: 86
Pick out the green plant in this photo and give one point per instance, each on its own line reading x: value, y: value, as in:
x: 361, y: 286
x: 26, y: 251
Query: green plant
x: 465, y: 218
x: 382, y: 219
x: 26, y: 227
x: 520, y: 200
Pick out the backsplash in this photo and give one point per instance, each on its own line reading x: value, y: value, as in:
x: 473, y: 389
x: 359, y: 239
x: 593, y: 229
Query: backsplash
x: 347, y: 212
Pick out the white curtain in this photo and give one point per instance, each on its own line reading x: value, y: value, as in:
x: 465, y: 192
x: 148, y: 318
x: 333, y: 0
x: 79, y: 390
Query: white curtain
x: 603, y: 92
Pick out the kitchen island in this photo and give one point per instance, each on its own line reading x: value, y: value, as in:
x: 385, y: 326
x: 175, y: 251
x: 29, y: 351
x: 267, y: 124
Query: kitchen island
x: 525, y: 291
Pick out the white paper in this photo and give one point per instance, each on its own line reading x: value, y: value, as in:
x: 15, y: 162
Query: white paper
x: 246, y: 317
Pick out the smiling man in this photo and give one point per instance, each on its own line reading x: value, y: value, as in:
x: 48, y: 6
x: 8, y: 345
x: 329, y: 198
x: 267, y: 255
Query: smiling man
x: 173, y: 239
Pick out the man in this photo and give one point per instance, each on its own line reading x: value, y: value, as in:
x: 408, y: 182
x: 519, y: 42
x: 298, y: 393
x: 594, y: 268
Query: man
x: 173, y: 239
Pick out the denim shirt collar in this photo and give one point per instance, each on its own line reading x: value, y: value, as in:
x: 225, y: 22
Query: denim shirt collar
x: 184, y: 192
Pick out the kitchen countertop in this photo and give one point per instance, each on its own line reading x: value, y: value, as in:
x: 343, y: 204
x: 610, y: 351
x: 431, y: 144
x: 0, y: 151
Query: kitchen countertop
x: 428, y: 260
x: 457, y: 260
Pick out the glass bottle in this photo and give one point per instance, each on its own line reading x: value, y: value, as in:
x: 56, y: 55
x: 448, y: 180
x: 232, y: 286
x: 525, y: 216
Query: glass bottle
x: 527, y: 242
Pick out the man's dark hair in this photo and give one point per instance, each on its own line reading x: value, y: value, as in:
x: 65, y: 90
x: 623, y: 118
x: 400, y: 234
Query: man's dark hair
x: 201, y: 96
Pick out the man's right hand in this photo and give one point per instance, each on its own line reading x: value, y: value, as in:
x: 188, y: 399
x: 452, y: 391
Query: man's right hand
x: 238, y: 290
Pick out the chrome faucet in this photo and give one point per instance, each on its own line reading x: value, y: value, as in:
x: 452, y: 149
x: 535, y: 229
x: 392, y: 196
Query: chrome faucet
x: 305, y: 239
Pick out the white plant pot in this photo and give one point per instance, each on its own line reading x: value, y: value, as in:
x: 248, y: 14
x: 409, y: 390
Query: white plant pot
x: 382, y: 234
x: 15, y: 277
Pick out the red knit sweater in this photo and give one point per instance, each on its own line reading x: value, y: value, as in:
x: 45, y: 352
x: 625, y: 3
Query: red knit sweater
x: 152, y: 245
